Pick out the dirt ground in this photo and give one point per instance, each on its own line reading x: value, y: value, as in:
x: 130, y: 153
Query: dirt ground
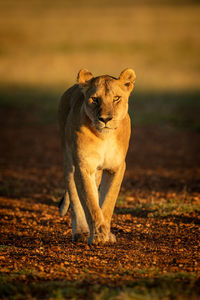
x: 156, y: 220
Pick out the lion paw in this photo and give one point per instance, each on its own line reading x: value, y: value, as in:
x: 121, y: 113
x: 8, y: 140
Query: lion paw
x: 80, y: 237
x: 100, y: 238
x: 112, y: 238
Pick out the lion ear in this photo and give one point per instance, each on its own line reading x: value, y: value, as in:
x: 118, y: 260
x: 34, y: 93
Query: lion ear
x: 84, y: 76
x: 127, y: 77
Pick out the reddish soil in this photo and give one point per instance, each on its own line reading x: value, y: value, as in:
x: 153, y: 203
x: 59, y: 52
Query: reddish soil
x: 162, y: 164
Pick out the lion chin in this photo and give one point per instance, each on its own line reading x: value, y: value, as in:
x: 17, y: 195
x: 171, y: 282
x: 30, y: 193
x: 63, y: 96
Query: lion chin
x: 106, y: 130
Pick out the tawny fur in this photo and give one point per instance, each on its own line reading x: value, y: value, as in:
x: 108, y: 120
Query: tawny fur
x: 95, y: 132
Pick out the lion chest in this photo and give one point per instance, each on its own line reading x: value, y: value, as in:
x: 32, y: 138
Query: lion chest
x: 97, y: 153
x: 111, y: 155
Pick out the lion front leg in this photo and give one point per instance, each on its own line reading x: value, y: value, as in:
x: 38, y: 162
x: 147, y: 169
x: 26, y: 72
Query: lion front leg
x: 109, y: 190
x: 80, y: 230
x: 88, y: 195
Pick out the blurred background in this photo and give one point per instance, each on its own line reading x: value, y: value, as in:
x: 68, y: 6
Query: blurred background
x: 43, y: 44
x: 47, y: 42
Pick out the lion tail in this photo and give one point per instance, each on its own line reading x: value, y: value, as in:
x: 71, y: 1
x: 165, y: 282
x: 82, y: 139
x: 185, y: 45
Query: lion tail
x: 64, y: 205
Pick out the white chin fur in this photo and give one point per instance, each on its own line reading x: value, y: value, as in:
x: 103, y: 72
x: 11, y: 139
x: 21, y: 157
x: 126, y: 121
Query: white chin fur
x: 105, y: 129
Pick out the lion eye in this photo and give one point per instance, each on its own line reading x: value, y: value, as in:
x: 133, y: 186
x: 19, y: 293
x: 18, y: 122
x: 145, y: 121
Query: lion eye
x: 116, y: 99
x: 94, y: 100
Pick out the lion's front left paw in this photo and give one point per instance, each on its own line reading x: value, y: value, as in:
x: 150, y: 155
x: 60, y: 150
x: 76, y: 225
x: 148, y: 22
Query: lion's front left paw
x: 98, y: 238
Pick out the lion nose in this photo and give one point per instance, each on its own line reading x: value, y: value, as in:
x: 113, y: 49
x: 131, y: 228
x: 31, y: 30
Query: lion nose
x: 105, y: 120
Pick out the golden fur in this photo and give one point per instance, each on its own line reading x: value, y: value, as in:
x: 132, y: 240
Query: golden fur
x: 95, y: 132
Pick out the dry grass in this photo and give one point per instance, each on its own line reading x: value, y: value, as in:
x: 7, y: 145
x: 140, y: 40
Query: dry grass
x: 46, y: 43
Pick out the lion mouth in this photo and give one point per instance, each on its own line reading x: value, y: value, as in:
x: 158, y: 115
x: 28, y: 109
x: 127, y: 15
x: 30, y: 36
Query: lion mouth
x: 105, y: 128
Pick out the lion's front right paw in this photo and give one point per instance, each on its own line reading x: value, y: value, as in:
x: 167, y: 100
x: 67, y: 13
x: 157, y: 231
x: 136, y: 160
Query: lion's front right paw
x: 112, y: 238
x: 80, y: 237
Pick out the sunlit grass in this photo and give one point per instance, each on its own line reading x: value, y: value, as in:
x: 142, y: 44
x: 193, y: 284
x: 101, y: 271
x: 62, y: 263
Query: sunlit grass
x: 172, y: 207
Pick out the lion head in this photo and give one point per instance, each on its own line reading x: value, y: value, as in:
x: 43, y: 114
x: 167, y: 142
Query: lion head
x: 106, y: 98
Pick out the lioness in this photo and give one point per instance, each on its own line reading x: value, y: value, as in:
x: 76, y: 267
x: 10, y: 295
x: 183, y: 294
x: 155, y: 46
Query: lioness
x: 95, y: 131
